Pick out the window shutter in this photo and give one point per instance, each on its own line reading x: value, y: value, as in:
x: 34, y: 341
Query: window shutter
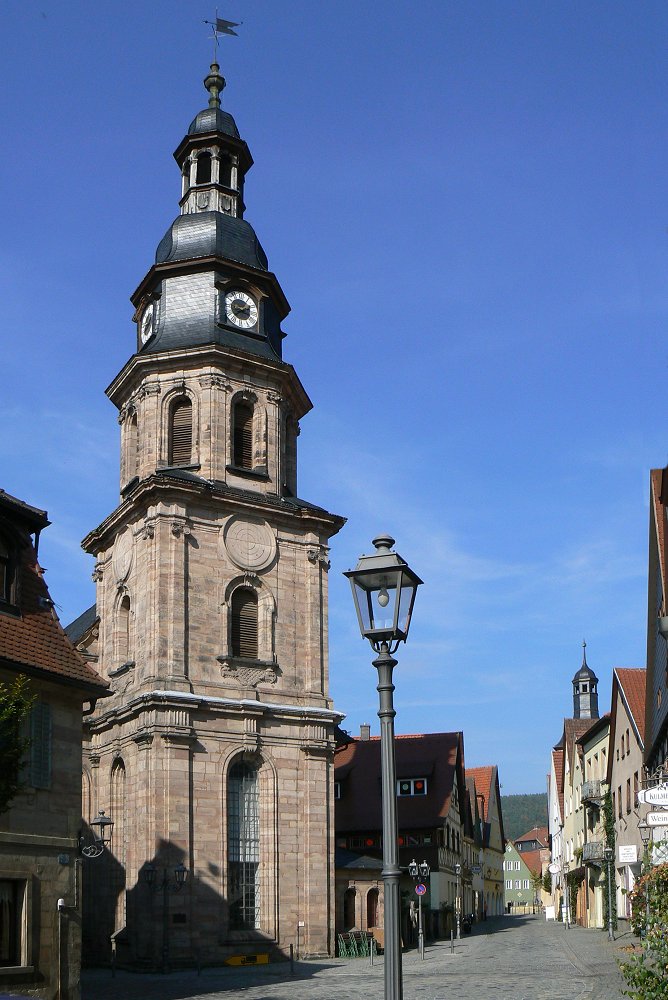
x: 244, y: 624
x: 243, y: 436
x: 181, y: 433
x: 40, y: 745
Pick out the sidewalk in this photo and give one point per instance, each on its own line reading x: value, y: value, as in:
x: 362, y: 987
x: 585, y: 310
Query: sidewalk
x: 509, y: 958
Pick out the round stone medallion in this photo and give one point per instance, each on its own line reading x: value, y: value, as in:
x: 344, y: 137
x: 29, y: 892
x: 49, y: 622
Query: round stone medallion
x: 250, y: 544
x: 122, y: 558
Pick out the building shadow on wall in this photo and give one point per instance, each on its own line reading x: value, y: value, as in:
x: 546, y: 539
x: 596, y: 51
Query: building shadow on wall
x: 170, y: 918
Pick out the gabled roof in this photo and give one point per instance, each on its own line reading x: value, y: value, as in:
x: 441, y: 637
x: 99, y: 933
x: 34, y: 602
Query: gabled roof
x: 487, y: 783
x: 483, y: 777
x: 434, y: 756
x: 533, y: 860
x: 538, y: 833
x: 598, y: 725
x: 558, y: 763
x: 76, y: 630
x: 632, y: 684
x: 32, y: 640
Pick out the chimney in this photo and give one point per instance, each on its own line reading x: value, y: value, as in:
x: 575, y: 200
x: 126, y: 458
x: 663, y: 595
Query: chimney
x: 365, y: 732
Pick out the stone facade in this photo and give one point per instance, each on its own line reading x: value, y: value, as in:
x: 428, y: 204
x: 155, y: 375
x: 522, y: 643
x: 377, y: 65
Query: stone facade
x: 201, y: 740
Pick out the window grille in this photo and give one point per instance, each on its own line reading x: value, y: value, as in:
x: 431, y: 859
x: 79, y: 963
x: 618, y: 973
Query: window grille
x: 244, y: 623
x: 181, y: 433
x: 243, y: 837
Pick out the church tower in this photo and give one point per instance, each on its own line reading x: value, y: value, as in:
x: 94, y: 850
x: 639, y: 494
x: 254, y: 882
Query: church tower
x: 585, y: 690
x: 215, y: 751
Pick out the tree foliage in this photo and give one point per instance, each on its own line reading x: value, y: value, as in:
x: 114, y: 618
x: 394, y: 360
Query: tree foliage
x: 15, y: 703
x: 522, y: 812
x: 646, y: 974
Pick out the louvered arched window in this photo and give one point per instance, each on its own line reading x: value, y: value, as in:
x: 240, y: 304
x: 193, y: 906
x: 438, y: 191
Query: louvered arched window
x: 242, y: 445
x: 244, y: 623
x: 181, y: 432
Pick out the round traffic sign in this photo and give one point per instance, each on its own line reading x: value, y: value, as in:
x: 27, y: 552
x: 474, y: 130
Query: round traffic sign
x: 420, y: 888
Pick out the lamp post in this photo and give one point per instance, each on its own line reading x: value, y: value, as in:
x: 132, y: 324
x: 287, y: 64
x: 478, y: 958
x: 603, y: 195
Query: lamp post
x: 567, y: 901
x: 165, y: 886
x: 102, y: 827
x: 609, y: 853
x: 420, y: 873
x: 645, y: 831
x: 384, y: 589
x: 458, y: 902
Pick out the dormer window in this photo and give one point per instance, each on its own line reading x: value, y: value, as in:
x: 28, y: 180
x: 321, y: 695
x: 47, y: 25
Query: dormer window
x: 203, y: 174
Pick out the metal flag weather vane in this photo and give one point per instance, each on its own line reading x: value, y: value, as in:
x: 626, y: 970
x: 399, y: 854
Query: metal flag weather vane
x: 222, y: 27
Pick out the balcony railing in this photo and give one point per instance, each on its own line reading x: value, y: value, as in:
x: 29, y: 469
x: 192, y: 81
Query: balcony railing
x: 593, y: 851
x: 591, y: 791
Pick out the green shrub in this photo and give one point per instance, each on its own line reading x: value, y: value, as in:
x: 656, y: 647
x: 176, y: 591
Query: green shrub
x: 646, y: 974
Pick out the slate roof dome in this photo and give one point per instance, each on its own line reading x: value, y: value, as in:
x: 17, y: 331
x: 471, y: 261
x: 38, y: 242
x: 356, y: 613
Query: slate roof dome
x: 211, y: 234
x: 213, y: 120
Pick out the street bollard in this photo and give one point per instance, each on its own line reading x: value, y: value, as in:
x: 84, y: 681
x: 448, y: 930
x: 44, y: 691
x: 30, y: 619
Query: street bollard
x: 452, y: 941
x: 292, y: 960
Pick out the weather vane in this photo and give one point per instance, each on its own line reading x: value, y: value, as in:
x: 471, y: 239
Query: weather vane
x: 221, y: 27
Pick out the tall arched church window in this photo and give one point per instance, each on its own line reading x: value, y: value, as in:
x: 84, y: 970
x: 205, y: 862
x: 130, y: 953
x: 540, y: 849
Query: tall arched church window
x: 242, y: 443
x: 244, y: 623
x: 243, y: 847
x: 203, y: 175
x: 133, y: 447
x: 372, y: 908
x: 124, y: 630
x: 181, y: 433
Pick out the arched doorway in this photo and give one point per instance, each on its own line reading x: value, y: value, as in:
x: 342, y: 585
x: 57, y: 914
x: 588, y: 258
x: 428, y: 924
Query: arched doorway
x: 372, y: 908
x: 349, y: 900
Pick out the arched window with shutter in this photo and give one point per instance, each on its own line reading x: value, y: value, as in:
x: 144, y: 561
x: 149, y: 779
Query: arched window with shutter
x: 244, y: 624
x: 181, y: 432
x: 242, y: 431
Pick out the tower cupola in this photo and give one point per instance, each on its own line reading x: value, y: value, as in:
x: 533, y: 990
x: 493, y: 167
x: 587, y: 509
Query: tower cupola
x: 585, y: 690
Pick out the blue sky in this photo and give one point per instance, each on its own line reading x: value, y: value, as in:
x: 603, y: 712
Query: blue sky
x: 467, y: 208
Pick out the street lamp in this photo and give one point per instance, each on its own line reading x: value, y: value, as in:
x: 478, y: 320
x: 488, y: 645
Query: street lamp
x: 567, y: 901
x: 645, y: 831
x: 420, y: 873
x: 102, y: 828
x: 458, y: 873
x: 165, y: 885
x: 384, y: 589
x: 609, y: 853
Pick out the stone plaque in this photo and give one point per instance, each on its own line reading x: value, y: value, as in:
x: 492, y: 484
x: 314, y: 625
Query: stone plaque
x: 122, y: 558
x: 250, y: 545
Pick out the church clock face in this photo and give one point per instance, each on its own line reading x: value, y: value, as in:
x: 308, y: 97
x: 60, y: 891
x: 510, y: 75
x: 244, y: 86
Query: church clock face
x: 146, y: 324
x: 240, y: 310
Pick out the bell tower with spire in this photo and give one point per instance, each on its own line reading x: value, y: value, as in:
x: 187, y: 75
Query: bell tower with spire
x: 585, y: 690
x: 215, y: 750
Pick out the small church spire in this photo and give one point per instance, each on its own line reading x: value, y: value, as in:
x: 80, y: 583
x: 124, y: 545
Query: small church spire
x: 584, y: 653
x: 585, y: 690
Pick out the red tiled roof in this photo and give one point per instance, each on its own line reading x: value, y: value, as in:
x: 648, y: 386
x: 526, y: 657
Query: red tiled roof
x: 558, y: 760
x: 483, y: 777
x: 632, y: 683
x: 432, y: 756
x: 539, y: 833
x: 35, y: 640
x: 533, y: 860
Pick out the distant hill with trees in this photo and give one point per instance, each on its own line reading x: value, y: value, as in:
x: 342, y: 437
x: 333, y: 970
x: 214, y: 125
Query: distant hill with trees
x: 522, y: 813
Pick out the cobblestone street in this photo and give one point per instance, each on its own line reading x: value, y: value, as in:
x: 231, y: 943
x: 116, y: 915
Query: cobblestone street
x: 518, y: 958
